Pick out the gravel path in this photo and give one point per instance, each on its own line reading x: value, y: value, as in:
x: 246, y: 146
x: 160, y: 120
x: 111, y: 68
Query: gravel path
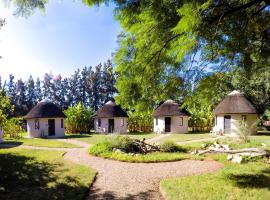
x: 121, y: 180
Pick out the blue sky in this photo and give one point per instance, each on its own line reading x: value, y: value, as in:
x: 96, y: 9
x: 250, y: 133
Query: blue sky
x: 67, y: 36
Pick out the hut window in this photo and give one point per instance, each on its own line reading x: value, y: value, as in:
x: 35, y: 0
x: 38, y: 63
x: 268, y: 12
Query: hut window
x: 181, y: 121
x: 37, y: 124
x: 244, y: 118
x: 62, y: 123
x: 122, y: 121
x: 216, y: 120
x: 156, y: 121
x: 99, y: 122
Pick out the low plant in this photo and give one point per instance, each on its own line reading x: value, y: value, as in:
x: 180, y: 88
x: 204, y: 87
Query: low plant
x: 12, y: 128
x: 170, y: 146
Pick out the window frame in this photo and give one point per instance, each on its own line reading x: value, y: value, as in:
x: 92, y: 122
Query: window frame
x: 36, y: 124
x: 156, y: 119
x: 62, y: 123
x: 181, y: 121
x: 122, y: 122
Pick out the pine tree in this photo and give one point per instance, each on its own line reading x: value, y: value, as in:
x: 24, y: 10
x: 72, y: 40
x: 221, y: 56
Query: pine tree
x: 31, y: 93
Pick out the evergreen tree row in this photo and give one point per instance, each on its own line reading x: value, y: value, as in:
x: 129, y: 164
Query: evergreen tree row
x: 90, y: 86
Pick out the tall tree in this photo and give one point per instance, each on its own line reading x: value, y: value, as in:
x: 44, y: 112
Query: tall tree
x: 31, y: 96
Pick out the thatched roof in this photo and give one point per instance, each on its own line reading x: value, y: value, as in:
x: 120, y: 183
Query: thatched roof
x: 235, y: 103
x: 170, y: 108
x: 110, y: 109
x: 45, y: 109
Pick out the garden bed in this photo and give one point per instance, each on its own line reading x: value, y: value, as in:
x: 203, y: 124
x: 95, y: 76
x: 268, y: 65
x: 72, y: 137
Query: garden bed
x: 131, y: 150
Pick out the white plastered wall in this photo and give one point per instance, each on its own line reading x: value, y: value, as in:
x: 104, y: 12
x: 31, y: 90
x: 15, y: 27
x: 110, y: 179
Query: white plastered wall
x: 235, y: 121
x: 44, y: 128
x: 175, y: 124
x: 118, y: 128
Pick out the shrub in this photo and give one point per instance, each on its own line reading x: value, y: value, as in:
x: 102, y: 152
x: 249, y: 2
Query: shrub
x: 79, y: 119
x: 170, y: 146
x: 123, y: 143
x: 12, y: 128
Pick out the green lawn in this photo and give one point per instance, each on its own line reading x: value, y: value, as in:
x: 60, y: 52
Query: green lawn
x: 27, y: 174
x: 148, y: 158
x: 39, y: 142
x: 235, y: 181
x: 95, y: 138
x: 186, y: 137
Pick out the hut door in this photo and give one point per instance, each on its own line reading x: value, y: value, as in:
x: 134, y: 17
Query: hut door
x: 167, y: 124
x: 111, y: 125
x: 51, y: 123
x: 227, y: 124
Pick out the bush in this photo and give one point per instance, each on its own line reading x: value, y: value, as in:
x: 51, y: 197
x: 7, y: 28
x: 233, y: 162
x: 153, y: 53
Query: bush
x: 123, y: 143
x: 170, y: 146
x: 79, y: 119
x: 12, y: 128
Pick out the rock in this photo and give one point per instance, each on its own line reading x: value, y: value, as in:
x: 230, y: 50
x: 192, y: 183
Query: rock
x: 237, y: 159
x: 229, y: 157
x: 226, y: 147
x: 118, y: 151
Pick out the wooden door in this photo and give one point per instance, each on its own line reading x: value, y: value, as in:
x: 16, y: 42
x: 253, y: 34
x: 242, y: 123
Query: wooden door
x: 51, y: 128
x: 227, y: 124
x: 111, y: 126
x: 167, y: 124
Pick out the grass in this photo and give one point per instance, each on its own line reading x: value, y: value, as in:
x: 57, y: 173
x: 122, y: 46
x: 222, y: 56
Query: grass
x: 105, y: 149
x: 235, y: 181
x: 186, y: 137
x: 39, y: 142
x: 250, y: 180
x: 148, y: 158
x: 95, y: 138
x: 27, y: 174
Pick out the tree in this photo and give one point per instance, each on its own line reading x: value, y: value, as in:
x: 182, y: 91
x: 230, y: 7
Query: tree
x: 79, y: 119
x: 184, y: 36
x: 31, y: 96
x: 5, y: 108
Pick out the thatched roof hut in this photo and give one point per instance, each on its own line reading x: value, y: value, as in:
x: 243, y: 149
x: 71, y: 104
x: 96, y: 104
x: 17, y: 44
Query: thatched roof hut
x: 110, y: 110
x: 170, y: 108
x: 45, y: 109
x: 235, y: 103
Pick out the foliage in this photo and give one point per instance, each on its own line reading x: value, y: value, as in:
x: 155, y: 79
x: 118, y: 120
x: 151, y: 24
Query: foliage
x: 183, y: 40
x: 140, y: 121
x: 5, y: 108
x: 39, y: 174
x: 79, y: 119
x: 91, y: 86
x: 170, y: 146
x: 12, y: 128
x: 125, y: 144
x: 203, y: 100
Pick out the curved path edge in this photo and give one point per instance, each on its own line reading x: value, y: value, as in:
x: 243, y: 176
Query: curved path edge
x: 122, y: 180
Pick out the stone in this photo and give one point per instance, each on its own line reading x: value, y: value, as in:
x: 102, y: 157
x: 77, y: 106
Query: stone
x: 229, y: 157
x: 237, y: 159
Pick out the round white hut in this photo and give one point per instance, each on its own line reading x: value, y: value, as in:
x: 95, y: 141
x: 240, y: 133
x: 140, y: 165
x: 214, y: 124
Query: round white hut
x: 169, y: 118
x: 111, y: 118
x: 45, y: 120
x: 232, y: 111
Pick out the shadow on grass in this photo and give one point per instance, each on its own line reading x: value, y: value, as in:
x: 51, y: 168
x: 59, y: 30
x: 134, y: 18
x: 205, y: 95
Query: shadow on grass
x: 258, y: 180
x: 71, y: 136
x: 10, y: 144
x: 97, y: 194
x: 25, y: 178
